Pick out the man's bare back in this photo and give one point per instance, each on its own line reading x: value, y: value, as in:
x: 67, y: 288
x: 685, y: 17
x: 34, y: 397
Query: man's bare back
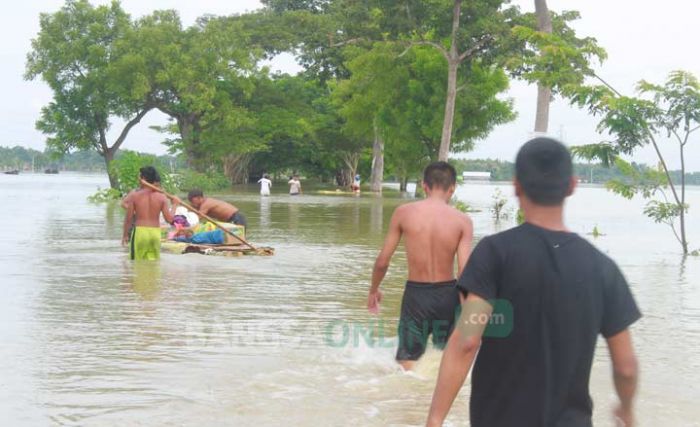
x: 148, y: 205
x: 433, y: 232
x: 218, y: 209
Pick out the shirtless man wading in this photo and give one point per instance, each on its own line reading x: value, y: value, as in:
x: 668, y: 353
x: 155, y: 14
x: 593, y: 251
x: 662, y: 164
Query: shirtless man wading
x: 143, y: 209
x: 434, y: 232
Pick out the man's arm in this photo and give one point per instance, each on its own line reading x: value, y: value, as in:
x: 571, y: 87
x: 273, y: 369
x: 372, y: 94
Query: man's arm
x: 625, y: 374
x: 381, y: 265
x: 128, y: 219
x: 459, y: 356
x: 465, y: 245
x: 127, y: 199
x: 168, y: 214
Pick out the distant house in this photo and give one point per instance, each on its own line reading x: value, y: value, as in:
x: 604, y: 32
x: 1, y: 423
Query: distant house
x: 476, y: 176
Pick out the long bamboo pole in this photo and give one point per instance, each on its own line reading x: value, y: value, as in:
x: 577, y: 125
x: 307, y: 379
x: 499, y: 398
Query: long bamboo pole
x: 193, y: 209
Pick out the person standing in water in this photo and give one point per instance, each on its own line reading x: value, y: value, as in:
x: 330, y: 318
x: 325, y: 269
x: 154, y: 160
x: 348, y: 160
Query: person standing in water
x: 265, y: 185
x: 356, y: 184
x: 563, y: 292
x: 143, y: 209
x: 434, y: 234
x: 294, y: 186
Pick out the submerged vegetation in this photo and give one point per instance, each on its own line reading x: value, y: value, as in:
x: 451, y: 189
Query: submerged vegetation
x: 667, y: 113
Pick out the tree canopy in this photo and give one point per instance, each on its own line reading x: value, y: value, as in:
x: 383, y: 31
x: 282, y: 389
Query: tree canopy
x: 410, y: 81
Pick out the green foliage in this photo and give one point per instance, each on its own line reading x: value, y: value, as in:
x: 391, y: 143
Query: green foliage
x: 20, y: 158
x: 520, y: 217
x: 77, y: 53
x: 635, y: 180
x: 663, y: 212
x: 463, y: 206
x: 401, y: 94
x: 560, y: 60
x: 126, y: 170
x: 604, y: 152
x: 668, y: 111
x: 105, y: 195
x: 187, y: 180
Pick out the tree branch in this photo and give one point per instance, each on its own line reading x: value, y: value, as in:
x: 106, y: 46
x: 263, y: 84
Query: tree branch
x: 665, y: 168
x: 437, y: 46
x: 607, y: 85
x: 346, y: 42
x: 133, y: 122
x: 678, y: 137
x: 483, y: 41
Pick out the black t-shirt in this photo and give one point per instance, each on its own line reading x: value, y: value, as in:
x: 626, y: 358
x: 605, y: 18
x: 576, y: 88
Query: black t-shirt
x: 563, y: 293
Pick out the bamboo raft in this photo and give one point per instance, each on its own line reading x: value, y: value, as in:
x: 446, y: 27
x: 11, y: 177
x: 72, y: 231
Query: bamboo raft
x: 240, y: 247
x: 229, y: 250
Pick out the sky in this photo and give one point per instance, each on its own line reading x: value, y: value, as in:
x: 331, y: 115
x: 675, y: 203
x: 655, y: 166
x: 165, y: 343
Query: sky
x: 643, y: 41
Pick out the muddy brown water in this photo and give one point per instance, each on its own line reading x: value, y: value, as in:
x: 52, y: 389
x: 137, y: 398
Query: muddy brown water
x: 90, y: 338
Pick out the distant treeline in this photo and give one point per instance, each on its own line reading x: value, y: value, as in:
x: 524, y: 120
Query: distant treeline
x: 90, y: 161
x: 24, y: 159
x: 503, y: 171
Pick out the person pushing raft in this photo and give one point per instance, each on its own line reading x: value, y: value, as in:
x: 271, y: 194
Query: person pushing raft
x: 143, y: 209
x: 215, y: 208
x: 434, y: 232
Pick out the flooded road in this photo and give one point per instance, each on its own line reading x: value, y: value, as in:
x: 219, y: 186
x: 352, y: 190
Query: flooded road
x: 90, y: 338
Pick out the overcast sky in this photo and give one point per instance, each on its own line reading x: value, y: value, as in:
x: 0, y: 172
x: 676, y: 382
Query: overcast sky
x: 644, y: 41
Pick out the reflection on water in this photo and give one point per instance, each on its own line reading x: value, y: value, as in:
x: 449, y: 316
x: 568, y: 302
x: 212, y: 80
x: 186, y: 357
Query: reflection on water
x: 146, y: 279
x: 90, y: 338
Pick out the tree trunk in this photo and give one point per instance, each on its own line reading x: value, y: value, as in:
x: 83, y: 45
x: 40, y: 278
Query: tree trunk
x: 351, y: 161
x: 453, y: 60
x: 237, y: 167
x: 403, y: 184
x: 544, y: 98
x: 108, y: 156
x: 684, y: 241
x: 189, y: 133
x: 544, y: 94
x: 377, y: 163
x: 450, y: 101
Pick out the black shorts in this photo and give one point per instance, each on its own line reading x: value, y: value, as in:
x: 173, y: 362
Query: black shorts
x: 238, y: 219
x: 426, y: 308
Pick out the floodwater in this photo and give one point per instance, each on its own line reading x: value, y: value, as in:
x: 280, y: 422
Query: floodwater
x: 90, y: 338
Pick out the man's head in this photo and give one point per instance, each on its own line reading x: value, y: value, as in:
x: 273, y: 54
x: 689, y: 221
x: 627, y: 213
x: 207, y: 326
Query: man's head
x: 544, y: 172
x: 440, y: 177
x: 196, y: 197
x: 149, y: 174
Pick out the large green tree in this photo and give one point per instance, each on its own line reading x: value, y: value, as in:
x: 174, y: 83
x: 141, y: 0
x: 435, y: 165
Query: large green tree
x: 397, y: 95
x: 206, y: 73
x: 75, y: 54
x: 483, y: 32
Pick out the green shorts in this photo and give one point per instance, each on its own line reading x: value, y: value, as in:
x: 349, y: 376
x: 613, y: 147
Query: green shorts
x: 145, y: 243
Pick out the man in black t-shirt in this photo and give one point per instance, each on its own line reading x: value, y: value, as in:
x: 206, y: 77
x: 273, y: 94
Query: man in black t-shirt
x: 561, y: 293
